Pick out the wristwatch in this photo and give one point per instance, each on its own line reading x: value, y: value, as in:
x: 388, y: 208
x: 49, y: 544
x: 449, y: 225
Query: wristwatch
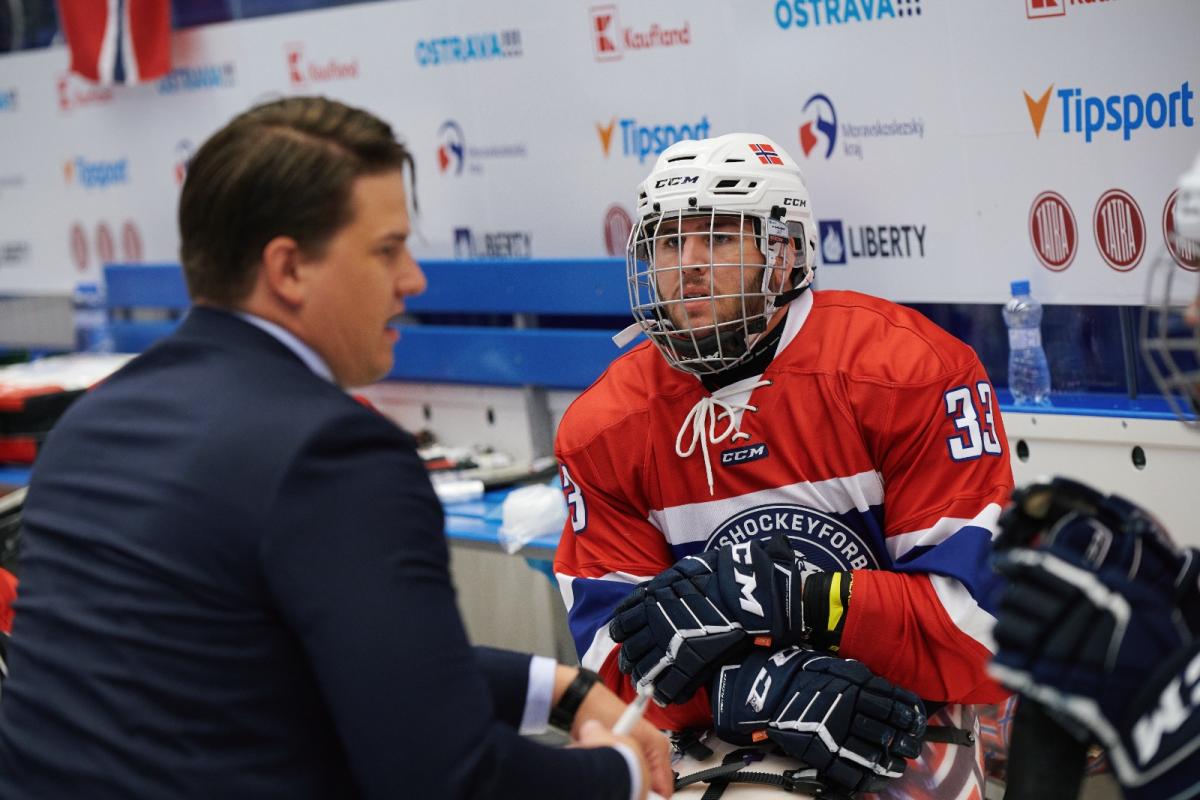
x: 562, y: 715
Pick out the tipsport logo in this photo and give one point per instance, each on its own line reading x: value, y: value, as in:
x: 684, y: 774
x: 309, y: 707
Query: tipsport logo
x: 640, y: 141
x: 96, y: 174
x: 825, y: 13
x: 1104, y: 115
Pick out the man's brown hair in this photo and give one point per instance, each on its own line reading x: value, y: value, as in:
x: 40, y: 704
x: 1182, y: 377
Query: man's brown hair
x: 284, y: 168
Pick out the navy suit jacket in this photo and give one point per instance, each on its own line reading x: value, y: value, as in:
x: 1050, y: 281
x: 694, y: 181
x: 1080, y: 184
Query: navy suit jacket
x: 234, y: 584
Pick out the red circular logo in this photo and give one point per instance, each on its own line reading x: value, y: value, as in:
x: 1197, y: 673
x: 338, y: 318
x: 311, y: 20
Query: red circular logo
x: 105, y: 251
x: 1120, y: 230
x: 617, y: 227
x: 131, y: 242
x: 1053, y: 231
x: 79, y: 247
x: 1186, y: 252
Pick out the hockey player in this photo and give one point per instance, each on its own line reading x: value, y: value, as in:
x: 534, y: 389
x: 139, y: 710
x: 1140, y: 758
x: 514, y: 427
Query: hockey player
x: 1100, y: 621
x: 825, y: 469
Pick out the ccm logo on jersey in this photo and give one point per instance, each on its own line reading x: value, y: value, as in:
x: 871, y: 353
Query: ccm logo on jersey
x: 743, y: 455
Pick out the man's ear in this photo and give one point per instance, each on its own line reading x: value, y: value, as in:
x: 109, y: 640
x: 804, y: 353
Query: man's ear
x: 282, y: 272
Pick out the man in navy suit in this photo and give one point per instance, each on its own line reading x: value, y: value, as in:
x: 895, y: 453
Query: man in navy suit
x: 234, y: 579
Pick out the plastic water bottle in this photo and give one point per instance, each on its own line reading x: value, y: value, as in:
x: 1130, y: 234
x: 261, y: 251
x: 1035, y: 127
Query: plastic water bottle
x: 92, y: 334
x: 1028, y: 370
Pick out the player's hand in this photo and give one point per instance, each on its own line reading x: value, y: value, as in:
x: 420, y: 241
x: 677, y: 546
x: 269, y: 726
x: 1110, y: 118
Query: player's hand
x: 604, y: 706
x: 1094, y: 619
x: 708, y: 610
x: 855, y: 729
x: 593, y: 733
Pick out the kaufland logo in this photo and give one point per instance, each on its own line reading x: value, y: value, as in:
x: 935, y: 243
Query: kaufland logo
x: 302, y: 71
x: 1040, y: 9
x: 610, y: 40
x: 818, y: 13
x: 1095, y: 115
x: 96, y: 174
x: 640, y: 141
x: 199, y: 78
x: 71, y: 95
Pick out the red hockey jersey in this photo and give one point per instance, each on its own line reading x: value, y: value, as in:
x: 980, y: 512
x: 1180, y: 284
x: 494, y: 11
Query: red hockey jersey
x: 872, y: 440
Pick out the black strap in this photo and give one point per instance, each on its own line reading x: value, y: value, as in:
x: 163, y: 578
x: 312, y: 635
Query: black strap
x: 562, y: 716
x: 950, y: 735
x: 734, y: 769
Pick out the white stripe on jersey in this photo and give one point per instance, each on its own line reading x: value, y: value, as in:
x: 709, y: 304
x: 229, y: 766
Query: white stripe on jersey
x: 695, y: 522
x: 942, y: 530
x: 966, y: 614
x: 602, y: 644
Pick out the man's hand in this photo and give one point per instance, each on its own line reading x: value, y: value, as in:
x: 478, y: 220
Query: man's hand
x: 593, y: 733
x: 678, y: 628
x: 855, y: 729
x: 1095, y: 621
x: 604, y: 707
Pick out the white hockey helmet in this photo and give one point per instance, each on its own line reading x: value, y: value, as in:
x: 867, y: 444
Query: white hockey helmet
x: 703, y: 191
x: 1171, y: 319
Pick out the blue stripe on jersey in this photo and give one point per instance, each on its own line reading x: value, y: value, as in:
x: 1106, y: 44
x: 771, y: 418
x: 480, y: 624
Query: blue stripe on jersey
x: 964, y: 557
x: 595, y: 600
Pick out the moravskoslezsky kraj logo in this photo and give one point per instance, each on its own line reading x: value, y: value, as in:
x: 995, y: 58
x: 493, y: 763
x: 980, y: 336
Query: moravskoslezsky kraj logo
x: 823, y: 541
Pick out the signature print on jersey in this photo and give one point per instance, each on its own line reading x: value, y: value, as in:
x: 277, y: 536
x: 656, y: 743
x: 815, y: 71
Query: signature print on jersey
x: 821, y: 540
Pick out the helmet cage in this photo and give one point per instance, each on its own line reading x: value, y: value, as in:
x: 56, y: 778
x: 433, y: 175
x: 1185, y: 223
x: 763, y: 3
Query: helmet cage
x: 1171, y: 340
x: 737, y: 317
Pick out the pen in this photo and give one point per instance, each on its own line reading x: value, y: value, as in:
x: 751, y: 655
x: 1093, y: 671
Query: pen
x: 633, y: 712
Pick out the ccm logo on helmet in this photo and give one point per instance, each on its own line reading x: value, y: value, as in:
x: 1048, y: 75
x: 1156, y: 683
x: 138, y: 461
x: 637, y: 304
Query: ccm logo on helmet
x: 678, y: 180
x: 799, y: 202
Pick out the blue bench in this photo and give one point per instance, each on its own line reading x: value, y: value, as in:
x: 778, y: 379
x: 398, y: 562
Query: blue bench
x: 508, y: 348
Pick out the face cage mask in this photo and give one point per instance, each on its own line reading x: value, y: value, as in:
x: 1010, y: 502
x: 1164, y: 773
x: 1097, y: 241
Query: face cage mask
x: 1170, y: 340
x: 668, y: 267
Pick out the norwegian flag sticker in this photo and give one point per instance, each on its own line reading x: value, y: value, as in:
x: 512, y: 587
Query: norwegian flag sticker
x: 766, y: 153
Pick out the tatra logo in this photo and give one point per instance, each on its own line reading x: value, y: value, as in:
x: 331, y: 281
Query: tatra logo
x: 1186, y: 252
x: 1053, y: 231
x: 743, y: 455
x: 1037, y: 110
x: 822, y: 540
x: 678, y: 180
x: 1120, y: 230
x: 617, y: 227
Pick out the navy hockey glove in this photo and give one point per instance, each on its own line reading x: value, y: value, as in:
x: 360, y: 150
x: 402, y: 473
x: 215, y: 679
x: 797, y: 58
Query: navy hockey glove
x: 708, y: 610
x: 3, y: 656
x: 855, y: 729
x: 1103, y: 603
